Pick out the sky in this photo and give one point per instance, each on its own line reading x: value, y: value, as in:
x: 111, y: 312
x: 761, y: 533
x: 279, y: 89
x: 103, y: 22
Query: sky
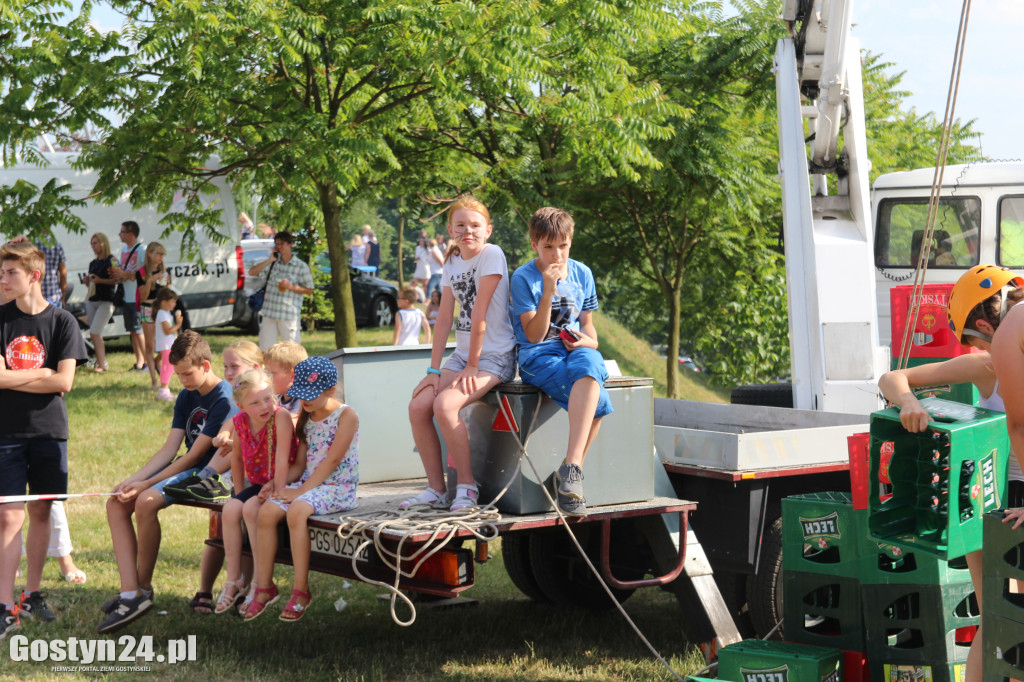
x: 919, y: 37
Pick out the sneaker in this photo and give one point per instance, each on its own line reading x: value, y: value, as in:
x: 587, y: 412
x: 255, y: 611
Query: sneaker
x: 180, y: 489
x: 111, y: 603
x: 165, y: 395
x: 125, y: 612
x: 570, y: 481
x: 9, y: 621
x: 210, y: 489
x: 571, y: 506
x: 34, y: 606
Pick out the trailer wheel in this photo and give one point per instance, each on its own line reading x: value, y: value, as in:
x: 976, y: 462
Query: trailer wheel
x: 764, y: 588
x: 768, y: 395
x: 562, y: 574
x: 515, y: 554
x: 733, y: 587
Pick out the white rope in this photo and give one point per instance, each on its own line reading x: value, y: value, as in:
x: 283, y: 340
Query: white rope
x: 579, y: 548
x: 442, y: 524
x: 10, y: 499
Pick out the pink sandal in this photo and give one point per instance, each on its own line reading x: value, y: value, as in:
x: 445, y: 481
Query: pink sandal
x: 294, y: 610
x: 256, y: 607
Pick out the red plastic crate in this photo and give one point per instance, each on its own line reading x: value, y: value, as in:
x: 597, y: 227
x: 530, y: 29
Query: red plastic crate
x: 931, y: 320
x: 860, y: 468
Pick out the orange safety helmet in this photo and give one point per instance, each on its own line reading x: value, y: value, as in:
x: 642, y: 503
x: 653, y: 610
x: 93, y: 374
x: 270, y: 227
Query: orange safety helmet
x: 974, y: 286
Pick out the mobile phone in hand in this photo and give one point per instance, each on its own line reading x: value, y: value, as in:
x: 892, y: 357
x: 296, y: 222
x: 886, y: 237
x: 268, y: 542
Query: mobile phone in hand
x: 568, y: 335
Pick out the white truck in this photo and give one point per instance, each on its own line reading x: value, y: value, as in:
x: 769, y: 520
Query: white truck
x: 210, y: 284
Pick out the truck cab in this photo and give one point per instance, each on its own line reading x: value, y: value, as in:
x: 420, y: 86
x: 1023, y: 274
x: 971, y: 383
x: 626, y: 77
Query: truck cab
x: 980, y: 219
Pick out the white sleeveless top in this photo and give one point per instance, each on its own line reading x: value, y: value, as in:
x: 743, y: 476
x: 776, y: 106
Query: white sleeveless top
x: 995, y: 402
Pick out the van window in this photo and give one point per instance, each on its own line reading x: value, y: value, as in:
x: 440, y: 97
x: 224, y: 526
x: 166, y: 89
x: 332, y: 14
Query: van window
x: 1011, y: 232
x: 900, y: 229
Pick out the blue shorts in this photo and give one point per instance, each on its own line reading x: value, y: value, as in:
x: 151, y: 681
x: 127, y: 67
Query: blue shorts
x: 40, y: 464
x: 159, y: 487
x: 554, y: 370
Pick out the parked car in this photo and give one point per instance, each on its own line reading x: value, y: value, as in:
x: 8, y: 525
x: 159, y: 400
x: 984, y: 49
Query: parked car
x: 375, y: 300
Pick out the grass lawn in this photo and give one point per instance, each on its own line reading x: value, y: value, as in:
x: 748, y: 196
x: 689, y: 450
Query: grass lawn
x: 116, y: 425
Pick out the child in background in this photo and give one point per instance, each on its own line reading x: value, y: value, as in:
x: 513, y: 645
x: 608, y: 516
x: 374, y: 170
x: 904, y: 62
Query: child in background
x: 409, y: 320
x: 327, y: 468
x: 151, y: 278
x: 434, y: 306
x: 263, y: 448
x: 280, y: 361
x: 167, y: 325
x: 475, y: 274
x: 553, y: 299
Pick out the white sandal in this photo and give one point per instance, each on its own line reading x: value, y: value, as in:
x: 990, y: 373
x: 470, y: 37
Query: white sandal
x: 431, y: 497
x: 466, y: 496
x: 226, y: 602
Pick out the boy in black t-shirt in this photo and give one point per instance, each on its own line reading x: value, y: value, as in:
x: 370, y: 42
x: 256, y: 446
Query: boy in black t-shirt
x: 40, y: 347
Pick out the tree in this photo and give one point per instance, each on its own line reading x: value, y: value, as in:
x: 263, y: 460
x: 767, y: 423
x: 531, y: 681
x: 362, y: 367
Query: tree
x: 316, y: 101
x: 714, y: 178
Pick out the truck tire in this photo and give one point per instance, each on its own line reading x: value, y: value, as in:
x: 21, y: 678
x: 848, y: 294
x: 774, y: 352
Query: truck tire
x: 561, y: 573
x: 768, y: 395
x: 515, y: 554
x: 764, y: 588
x: 733, y: 587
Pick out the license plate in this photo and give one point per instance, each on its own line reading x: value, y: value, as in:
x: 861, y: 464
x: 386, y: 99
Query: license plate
x: 325, y: 541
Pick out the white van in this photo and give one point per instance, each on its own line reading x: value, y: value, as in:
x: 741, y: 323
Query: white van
x: 980, y: 219
x: 210, y: 285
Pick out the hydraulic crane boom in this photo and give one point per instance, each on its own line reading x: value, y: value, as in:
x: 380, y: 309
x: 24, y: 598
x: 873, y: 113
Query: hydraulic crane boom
x: 836, y: 357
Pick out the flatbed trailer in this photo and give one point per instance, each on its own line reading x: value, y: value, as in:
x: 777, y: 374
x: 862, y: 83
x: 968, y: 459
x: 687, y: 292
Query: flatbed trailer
x: 627, y: 542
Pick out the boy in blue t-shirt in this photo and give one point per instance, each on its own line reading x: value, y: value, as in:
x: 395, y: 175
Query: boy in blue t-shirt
x: 202, y: 406
x: 553, y: 299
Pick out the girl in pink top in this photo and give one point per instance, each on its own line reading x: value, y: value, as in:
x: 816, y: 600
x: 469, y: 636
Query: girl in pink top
x: 263, y: 447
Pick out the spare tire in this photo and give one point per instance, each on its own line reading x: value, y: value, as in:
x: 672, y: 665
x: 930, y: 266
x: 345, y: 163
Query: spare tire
x: 768, y: 395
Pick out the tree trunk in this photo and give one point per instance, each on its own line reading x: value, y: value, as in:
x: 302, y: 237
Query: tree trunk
x: 672, y: 361
x: 401, y: 242
x: 341, y: 284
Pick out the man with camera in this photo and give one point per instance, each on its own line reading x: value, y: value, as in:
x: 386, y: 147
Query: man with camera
x: 288, y: 279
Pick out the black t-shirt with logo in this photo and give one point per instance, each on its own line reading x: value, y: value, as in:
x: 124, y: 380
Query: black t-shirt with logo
x: 32, y: 342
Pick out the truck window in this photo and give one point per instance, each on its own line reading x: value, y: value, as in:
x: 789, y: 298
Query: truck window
x: 1011, y: 231
x: 900, y: 229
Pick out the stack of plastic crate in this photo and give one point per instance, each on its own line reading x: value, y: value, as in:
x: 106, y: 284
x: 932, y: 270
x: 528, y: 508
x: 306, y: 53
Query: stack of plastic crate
x: 928, y: 494
x: 755, y: 660
x: 822, y: 535
x: 1003, y: 604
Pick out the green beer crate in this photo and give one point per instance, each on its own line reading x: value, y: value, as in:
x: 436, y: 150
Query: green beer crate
x: 822, y: 610
x: 959, y: 393
x: 822, y: 533
x: 920, y: 623
x: 1002, y: 649
x: 756, y: 660
x: 930, y: 489
x: 1003, y: 559
x: 902, y: 671
x: 883, y: 563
